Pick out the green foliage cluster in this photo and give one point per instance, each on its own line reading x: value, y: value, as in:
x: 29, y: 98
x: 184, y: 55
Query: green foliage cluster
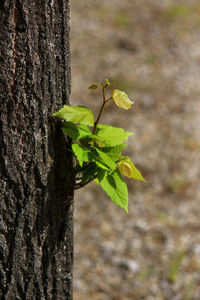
x: 98, y: 147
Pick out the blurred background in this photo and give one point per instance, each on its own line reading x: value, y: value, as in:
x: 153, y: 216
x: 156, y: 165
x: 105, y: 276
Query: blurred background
x: 151, y: 50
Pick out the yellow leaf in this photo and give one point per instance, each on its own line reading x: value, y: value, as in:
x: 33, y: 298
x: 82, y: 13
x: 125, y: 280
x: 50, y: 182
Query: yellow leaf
x: 128, y: 169
x: 121, y: 99
x: 125, y: 169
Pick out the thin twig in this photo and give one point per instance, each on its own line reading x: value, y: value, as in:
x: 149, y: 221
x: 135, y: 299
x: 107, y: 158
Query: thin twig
x: 101, y: 110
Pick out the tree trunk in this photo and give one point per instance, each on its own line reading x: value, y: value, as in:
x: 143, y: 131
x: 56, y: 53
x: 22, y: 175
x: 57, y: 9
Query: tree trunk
x: 36, y: 204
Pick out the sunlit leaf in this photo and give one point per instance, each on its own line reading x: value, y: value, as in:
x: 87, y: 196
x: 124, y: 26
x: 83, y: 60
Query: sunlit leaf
x: 115, y: 187
x: 121, y: 99
x: 104, y: 158
x: 112, y: 136
x: 76, y: 114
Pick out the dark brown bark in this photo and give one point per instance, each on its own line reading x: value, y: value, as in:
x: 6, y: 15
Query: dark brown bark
x: 36, y: 189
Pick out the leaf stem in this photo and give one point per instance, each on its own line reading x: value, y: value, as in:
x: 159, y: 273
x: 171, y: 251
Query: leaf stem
x: 101, y: 110
x: 98, y: 118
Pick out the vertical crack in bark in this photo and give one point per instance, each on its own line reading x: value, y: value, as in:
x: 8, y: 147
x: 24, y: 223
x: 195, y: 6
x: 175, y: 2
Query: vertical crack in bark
x: 63, y: 45
x: 14, y: 48
x: 64, y: 96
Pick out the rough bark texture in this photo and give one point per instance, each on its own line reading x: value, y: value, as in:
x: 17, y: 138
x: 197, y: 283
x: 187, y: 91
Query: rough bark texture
x: 36, y: 204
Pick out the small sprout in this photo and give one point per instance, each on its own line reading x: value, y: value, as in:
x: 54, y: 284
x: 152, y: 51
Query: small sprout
x: 98, y: 147
x: 121, y: 99
x: 107, y: 82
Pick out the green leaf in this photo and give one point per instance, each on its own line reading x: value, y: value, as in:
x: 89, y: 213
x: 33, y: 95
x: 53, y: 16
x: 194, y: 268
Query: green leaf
x: 101, y: 165
x: 121, y: 99
x: 76, y: 132
x: 114, y: 152
x: 128, y: 169
x: 76, y: 114
x: 115, y: 187
x: 96, y: 181
x: 112, y: 136
x: 86, y: 155
x: 105, y: 159
x: 82, y: 154
x: 93, y: 86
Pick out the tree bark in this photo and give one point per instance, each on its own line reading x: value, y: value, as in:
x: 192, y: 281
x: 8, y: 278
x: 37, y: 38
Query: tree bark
x: 36, y: 189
